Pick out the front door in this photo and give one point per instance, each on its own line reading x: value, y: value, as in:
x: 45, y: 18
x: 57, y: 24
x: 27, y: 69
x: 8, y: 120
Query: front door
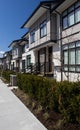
x: 42, y: 59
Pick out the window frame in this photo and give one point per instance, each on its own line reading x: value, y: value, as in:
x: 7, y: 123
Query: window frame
x: 32, y: 36
x: 28, y: 60
x: 66, y: 15
x: 15, y: 51
x: 42, y: 27
x: 75, y: 65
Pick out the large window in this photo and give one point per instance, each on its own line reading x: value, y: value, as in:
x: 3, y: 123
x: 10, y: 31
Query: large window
x: 23, y: 48
x: 15, y: 51
x: 71, y: 57
x: 71, y: 15
x: 28, y: 59
x: 43, y: 29
x: 32, y: 36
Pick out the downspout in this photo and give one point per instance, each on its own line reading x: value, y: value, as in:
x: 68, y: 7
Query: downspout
x: 61, y: 59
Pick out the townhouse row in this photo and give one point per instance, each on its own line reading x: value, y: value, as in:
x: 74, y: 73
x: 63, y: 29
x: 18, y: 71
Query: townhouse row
x: 51, y: 47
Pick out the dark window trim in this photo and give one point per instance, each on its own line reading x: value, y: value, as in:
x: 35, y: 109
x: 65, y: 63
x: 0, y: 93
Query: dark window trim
x: 75, y: 8
x: 70, y: 65
x: 28, y: 57
x: 43, y: 27
x: 31, y: 34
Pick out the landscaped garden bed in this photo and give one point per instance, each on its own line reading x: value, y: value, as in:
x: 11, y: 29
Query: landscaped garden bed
x: 51, y: 119
x: 55, y: 104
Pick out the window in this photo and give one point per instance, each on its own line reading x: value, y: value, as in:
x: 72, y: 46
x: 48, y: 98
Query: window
x: 28, y: 58
x: 23, y: 49
x: 71, y: 19
x: 15, y: 51
x: 43, y: 29
x: 77, y: 15
x: 65, y: 57
x: 65, y: 23
x: 23, y: 65
x: 32, y: 36
x: 71, y: 57
x: 71, y: 15
x: 27, y: 44
x: 77, y: 56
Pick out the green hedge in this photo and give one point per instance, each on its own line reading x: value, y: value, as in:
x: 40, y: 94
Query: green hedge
x: 6, y: 75
x: 69, y: 100
x: 63, y: 97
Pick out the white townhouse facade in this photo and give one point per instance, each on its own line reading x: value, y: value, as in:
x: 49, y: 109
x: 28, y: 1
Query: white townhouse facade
x: 54, y: 37
x: 7, y: 56
x: 27, y: 55
x: 42, y: 36
x: 16, y: 55
x: 68, y: 37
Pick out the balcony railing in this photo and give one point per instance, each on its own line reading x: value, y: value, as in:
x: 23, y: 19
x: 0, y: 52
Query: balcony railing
x: 15, y: 69
x: 44, y: 68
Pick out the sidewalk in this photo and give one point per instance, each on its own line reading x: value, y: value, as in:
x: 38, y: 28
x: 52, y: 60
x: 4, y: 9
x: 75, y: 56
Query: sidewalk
x: 13, y: 114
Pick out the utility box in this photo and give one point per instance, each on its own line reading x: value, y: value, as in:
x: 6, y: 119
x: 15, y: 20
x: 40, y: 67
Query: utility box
x: 13, y: 80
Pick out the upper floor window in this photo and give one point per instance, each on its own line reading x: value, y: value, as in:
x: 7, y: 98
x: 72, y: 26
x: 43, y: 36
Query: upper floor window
x: 43, y: 29
x: 32, y: 36
x: 71, y: 15
x: 23, y: 49
x: 27, y: 44
x: 15, y: 51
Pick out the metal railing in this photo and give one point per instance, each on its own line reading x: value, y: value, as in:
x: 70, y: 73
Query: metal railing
x: 40, y: 68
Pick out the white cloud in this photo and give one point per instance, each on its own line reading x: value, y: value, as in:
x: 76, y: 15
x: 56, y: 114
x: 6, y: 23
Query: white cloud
x: 1, y: 53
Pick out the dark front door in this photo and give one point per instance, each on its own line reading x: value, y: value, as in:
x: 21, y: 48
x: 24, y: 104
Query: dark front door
x: 41, y: 59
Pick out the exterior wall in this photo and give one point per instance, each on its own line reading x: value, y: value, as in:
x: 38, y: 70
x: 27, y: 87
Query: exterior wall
x: 70, y: 35
x: 57, y: 48
x: 71, y: 76
x: 50, y: 31
x: 19, y: 54
x: 29, y: 53
x: 13, y: 62
x: 57, y: 61
x: 24, y: 56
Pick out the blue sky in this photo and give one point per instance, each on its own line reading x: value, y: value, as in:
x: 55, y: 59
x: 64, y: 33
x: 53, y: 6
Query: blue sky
x: 13, y: 14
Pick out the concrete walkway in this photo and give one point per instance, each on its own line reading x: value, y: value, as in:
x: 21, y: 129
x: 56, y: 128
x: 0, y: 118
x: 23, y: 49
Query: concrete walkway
x: 13, y: 114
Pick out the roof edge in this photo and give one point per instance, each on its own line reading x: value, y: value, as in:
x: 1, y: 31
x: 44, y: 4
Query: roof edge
x: 42, y: 2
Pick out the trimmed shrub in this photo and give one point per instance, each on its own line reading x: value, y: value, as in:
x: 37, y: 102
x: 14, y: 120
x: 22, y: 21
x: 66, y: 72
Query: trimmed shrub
x: 63, y: 97
x: 6, y: 75
x: 69, y: 100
